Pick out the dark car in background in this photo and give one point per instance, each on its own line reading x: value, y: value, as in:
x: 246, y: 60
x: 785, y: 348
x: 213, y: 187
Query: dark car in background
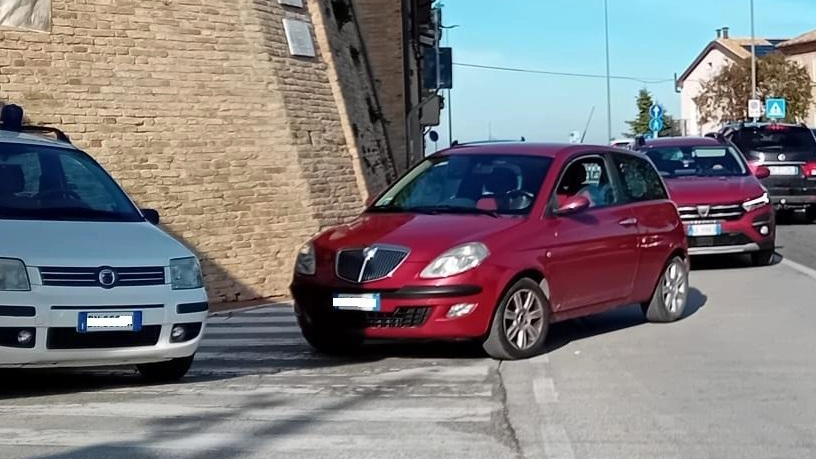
x: 723, y: 205
x: 789, y: 152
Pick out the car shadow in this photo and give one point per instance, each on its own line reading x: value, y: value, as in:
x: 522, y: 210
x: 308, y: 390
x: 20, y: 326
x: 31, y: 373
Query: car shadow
x: 23, y: 383
x: 721, y: 262
x: 564, y: 333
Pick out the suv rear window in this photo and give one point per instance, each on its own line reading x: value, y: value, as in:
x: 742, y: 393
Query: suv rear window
x: 780, y: 137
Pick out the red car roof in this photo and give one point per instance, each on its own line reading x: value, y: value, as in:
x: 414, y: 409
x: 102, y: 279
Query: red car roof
x: 551, y: 150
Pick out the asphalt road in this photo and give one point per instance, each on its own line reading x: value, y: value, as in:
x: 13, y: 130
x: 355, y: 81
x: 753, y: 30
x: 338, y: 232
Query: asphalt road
x: 734, y: 379
x: 797, y: 242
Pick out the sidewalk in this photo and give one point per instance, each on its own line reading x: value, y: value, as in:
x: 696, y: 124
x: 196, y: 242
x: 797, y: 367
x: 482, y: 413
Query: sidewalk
x: 235, y: 305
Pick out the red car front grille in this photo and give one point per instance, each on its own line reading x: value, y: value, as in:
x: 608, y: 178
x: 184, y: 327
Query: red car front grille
x: 368, y: 264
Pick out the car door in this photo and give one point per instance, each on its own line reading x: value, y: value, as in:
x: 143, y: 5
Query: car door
x: 657, y: 218
x: 592, y: 254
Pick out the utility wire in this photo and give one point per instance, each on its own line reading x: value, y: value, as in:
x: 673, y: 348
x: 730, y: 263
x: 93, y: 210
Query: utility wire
x: 544, y: 72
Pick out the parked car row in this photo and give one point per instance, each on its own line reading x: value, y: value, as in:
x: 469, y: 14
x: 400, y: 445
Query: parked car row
x: 491, y: 242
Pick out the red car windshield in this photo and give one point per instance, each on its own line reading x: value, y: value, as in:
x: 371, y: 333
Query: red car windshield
x: 698, y: 161
x: 468, y: 183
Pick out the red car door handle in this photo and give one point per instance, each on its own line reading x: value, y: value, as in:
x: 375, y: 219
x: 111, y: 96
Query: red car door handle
x: 628, y: 221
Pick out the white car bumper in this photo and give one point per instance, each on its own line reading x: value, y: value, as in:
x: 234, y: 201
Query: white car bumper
x: 52, y: 313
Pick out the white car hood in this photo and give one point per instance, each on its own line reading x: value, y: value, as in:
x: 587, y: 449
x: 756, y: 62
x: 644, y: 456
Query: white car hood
x: 61, y: 243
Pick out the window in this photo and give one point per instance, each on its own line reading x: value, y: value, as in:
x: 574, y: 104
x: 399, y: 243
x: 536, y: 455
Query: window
x: 463, y: 183
x: 587, y: 177
x: 44, y: 183
x: 699, y: 160
x: 775, y: 138
x: 641, y: 182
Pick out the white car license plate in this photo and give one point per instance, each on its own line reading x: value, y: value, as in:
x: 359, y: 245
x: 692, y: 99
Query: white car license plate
x: 784, y: 170
x: 368, y: 302
x: 109, y: 321
x: 708, y: 229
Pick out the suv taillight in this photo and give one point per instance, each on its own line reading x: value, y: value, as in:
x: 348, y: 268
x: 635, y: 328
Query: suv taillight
x: 809, y: 169
x: 753, y: 164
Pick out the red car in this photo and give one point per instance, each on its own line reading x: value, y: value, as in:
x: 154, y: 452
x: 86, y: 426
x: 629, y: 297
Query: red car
x: 493, y: 242
x: 724, y: 207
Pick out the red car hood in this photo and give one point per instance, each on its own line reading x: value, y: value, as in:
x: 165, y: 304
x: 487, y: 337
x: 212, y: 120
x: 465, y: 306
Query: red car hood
x: 687, y: 191
x: 426, y: 235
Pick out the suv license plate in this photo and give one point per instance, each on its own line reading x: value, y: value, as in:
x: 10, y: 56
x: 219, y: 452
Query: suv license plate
x: 711, y: 229
x: 784, y: 170
x: 368, y: 302
x: 109, y: 321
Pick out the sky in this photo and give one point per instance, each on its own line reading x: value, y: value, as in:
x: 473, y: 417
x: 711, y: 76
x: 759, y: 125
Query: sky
x: 648, y: 39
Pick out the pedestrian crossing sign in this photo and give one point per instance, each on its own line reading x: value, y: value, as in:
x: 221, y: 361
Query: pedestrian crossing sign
x: 775, y: 108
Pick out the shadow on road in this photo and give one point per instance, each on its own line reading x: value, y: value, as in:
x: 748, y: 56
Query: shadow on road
x: 566, y: 332
x: 20, y: 383
x: 208, y: 436
x: 719, y: 262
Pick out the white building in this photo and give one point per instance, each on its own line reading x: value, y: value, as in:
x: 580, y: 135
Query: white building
x: 720, y: 52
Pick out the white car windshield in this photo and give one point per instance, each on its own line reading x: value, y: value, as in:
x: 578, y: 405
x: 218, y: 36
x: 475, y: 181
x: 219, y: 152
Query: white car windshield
x: 701, y: 161
x: 48, y: 183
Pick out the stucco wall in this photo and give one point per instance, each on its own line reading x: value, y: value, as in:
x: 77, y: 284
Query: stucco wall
x: 709, y: 66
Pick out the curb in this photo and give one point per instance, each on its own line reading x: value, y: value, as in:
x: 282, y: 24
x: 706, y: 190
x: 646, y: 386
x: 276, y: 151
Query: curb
x: 229, y: 311
x: 810, y: 272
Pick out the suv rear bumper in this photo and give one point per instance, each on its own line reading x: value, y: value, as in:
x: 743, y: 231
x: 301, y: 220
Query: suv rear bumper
x: 787, y: 201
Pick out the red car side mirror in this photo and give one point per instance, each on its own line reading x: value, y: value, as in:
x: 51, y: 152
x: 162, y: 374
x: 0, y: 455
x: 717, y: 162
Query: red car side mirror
x: 487, y: 204
x: 573, y: 205
x: 762, y: 172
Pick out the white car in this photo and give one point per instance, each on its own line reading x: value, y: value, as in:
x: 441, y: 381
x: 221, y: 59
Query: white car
x: 87, y: 278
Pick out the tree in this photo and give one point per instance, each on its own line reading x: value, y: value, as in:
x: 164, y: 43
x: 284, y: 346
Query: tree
x: 640, y: 125
x: 725, y: 97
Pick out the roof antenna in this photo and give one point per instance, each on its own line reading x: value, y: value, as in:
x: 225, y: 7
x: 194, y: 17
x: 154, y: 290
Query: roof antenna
x: 12, y: 117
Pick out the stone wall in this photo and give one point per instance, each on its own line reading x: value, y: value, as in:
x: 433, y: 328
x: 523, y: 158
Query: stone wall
x: 199, y: 110
x: 381, y: 24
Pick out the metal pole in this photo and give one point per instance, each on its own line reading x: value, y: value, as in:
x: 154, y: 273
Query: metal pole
x: 608, y: 90
x: 450, y: 122
x: 753, y: 58
x: 449, y: 101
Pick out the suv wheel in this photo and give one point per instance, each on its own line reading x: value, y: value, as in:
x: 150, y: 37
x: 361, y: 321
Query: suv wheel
x: 520, y: 323
x: 810, y: 214
x: 670, y: 294
x: 762, y: 258
x: 169, y: 371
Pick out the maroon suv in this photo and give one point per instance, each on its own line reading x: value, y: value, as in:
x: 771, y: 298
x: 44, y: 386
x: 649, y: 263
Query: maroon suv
x: 724, y: 207
x: 493, y: 242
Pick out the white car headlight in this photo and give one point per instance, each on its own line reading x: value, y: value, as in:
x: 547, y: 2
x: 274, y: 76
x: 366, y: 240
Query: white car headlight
x: 756, y: 203
x: 456, y: 260
x: 305, y: 263
x: 185, y: 273
x: 13, y: 275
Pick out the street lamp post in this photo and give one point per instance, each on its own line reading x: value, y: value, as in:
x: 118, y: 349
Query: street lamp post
x: 608, y: 90
x: 753, y: 57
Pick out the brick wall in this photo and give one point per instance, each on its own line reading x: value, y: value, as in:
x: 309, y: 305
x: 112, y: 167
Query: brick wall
x: 198, y: 109
x: 381, y: 23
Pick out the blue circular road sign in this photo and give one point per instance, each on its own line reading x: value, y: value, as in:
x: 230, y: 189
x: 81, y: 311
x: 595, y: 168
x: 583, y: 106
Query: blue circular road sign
x: 656, y: 124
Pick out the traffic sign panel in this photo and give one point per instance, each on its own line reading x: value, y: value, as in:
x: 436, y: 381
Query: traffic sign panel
x: 754, y: 108
x: 656, y: 124
x: 656, y: 110
x: 776, y: 108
